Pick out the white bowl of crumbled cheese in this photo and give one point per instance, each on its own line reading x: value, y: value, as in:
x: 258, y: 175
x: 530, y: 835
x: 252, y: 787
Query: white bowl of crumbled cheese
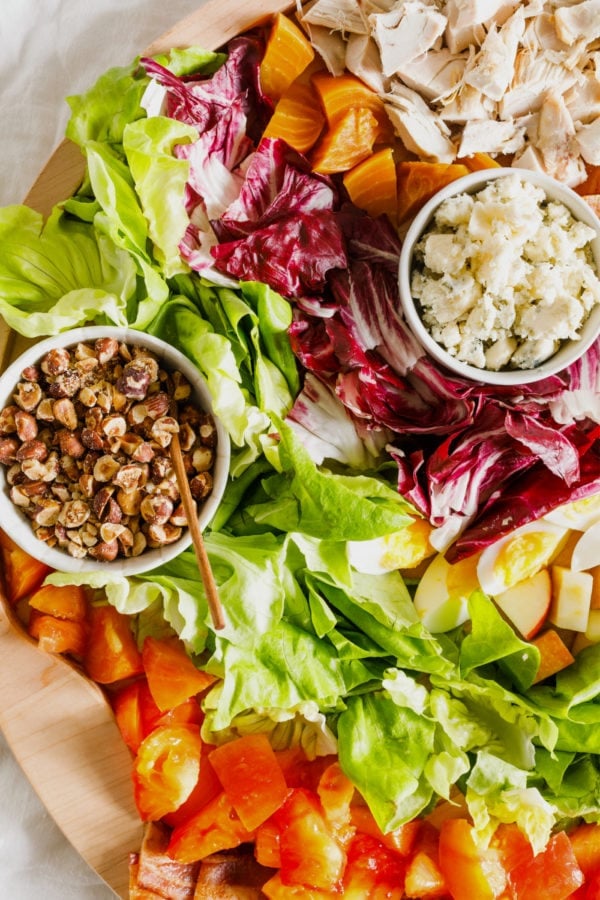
x: 500, y: 276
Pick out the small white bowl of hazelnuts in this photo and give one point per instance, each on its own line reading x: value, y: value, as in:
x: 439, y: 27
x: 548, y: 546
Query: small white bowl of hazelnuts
x: 86, y: 475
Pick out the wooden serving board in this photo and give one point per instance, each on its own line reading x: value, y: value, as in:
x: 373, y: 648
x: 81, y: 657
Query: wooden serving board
x: 58, y: 723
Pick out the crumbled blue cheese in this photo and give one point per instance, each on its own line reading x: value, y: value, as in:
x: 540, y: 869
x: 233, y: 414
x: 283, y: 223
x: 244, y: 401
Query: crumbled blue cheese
x: 504, y: 275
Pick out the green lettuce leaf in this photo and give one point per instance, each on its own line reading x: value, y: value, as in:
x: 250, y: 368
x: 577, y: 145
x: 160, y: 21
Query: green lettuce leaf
x: 102, y: 112
x: 160, y: 179
x: 60, y: 274
x: 325, y: 504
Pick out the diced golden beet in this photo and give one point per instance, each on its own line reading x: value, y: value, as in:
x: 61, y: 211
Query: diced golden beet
x: 287, y: 55
x: 478, y: 161
x: 340, y: 93
x: 298, y: 119
x: 346, y: 143
x: 372, y: 184
x: 419, y: 181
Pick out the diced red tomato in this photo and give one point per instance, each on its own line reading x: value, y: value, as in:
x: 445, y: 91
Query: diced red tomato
x: 172, y: 676
x: 468, y: 871
x: 266, y: 845
x: 216, y: 827
x: 592, y: 888
x: 299, y: 771
x: 206, y: 789
x: 111, y: 653
x: 187, y: 713
x: 555, y: 869
x: 65, y: 601
x: 251, y: 777
x: 310, y: 854
x: 166, y: 769
x: 424, y: 878
x: 373, y: 870
x: 585, y: 841
x: 22, y: 573
x: 58, y: 635
x: 336, y: 792
x: 401, y: 839
x: 135, y: 711
x: 275, y: 889
x: 512, y: 845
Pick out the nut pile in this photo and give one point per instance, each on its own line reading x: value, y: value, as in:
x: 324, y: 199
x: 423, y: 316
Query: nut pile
x: 86, y: 445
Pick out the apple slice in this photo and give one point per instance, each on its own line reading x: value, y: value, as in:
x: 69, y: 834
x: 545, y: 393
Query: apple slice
x: 442, y: 594
x: 527, y: 603
x: 554, y: 654
x: 571, y: 598
x: 592, y: 632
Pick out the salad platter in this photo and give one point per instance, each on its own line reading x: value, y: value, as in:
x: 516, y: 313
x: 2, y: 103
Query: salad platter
x: 355, y: 503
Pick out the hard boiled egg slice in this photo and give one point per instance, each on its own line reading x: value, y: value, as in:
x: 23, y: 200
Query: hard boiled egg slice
x: 400, y: 550
x: 579, y: 514
x: 586, y: 554
x: 519, y: 555
x: 441, y: 597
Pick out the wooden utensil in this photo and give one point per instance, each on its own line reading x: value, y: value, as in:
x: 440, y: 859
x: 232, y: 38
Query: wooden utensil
x: 191, y: 514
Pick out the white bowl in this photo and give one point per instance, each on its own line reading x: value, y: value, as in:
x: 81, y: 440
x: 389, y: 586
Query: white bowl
x: 16, y: 524
x: 569, y: 351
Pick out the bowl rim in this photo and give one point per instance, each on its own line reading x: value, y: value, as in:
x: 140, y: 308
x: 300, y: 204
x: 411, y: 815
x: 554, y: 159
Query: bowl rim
x: 18, y: 527
x: 570, y: 351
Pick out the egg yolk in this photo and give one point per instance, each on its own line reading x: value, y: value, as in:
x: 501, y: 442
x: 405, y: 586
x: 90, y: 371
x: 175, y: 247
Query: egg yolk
x: 406, y: 549
x: 524, y: 555
x: 461, y: 577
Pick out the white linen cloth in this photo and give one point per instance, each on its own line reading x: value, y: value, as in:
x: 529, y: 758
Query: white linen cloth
x: 51, y: 49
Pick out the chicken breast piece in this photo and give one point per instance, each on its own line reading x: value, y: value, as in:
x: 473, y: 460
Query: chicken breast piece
x: 578, y: 22
x: 467, y: 20
x: 492, y: 68
x: 407, y: 31
x: 588, y: 142
x: 435, y: 75
x: 419, y: 127
x: 557, y: 142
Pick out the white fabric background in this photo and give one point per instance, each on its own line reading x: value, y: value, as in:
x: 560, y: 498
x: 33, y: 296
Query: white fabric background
x: 50, y: 49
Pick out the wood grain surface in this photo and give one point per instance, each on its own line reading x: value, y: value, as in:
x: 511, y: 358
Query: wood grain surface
x: 57, y: 722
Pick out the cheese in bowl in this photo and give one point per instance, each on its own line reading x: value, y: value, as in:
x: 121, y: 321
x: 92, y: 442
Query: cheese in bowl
x: 499, y: 276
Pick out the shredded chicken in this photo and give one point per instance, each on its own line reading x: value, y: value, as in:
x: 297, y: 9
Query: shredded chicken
x: 410, y: 29
x: 466, y: 76
x: 557, y: 143
x: 420, y: 129
x: 492, y: 69
x: 578, y: 22
x: 588, y: 141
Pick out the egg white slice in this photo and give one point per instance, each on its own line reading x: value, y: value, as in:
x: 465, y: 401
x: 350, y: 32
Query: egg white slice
x: 579, y: 514
x: 586, y: 553
x: 403, y: 549
x: 519, y: 555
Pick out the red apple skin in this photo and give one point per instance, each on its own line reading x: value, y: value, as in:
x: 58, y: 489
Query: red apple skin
x: 527, y: 603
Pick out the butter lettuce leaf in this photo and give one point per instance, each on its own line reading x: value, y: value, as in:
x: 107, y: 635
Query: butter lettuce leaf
x: 60, y: 274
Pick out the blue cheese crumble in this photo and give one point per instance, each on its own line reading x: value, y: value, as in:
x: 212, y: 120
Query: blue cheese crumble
x: 503, y: 276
